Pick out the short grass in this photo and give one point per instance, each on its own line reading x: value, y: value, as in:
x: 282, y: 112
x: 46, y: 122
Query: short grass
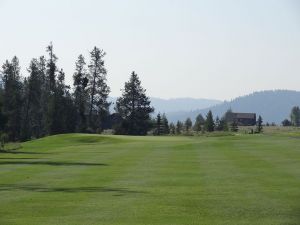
x: 114, y: 180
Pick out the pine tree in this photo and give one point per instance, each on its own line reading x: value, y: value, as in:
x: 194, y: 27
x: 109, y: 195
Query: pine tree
x: 51, y: 68
x: 259, y: 126
x: 172, y: 129
x: 179, y: 126
x: 295, y: 116
x: 80, y: 94
x: 59, y: 100
x: 218, y: 124
x: 165, y: 124
x: 61, y: 106
x: 52, y: 120
x: 3, y: 118
x: 134, y: 107
x: 188, y: 125
x: 286, y: 123
x: 70, y: 114
x: 158, y: 126
x: 199, y: 123
x: 228, y: 116
x: 98, y: 90
x: 223, y: 126
x: 43, y: 121
x: 209, y: 122
x: 31, y: 125
x: 12, y: 98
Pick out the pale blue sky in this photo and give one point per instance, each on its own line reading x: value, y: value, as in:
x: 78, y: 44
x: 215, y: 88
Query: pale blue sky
x: 189, y: 48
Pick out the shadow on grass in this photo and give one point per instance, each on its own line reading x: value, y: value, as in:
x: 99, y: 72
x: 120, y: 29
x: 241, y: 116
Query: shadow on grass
x: 18, y: 158
x: 50, y: 163
x: 37, y: 188
x: 20, y: 152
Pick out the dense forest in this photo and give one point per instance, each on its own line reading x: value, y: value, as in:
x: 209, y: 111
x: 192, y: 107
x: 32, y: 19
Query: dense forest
x: 42, y: 104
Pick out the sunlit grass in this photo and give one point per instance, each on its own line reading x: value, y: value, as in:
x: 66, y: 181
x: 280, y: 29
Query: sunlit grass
x: 93, y: 179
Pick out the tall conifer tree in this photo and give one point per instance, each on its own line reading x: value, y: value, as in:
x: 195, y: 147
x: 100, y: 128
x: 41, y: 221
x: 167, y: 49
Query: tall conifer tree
x: 12, y: 98
x: 80, y: 93
x: 134, y: 107
x: 209, y: 122
x: 31, y: 125
x: 98, y: 90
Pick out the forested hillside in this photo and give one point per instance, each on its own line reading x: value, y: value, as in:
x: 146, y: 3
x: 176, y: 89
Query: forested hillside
x: 273, y: 106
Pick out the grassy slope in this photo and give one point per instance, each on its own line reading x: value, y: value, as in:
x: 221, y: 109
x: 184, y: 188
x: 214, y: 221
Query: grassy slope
x: 90, y: 179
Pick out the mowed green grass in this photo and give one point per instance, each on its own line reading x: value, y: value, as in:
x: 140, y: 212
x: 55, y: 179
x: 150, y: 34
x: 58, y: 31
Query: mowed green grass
x: 114, y: 180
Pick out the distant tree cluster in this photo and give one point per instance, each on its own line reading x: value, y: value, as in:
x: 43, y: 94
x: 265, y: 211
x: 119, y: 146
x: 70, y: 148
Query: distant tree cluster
x: 201, y: 125
x: 161, y: 125
x: 42, y: 104
x: 294, y: 118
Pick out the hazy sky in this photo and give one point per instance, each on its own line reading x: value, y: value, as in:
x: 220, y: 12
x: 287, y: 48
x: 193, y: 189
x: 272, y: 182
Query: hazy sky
x: 187, y: 48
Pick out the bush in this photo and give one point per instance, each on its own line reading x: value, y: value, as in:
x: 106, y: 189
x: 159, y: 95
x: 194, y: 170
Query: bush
x: 286, y: 123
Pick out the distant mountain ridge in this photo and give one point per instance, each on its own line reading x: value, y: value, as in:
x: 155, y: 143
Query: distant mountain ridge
x: 181, y: 104
x: 273, y: 106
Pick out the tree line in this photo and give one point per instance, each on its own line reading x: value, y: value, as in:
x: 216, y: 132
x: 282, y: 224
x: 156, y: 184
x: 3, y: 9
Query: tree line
x: 41, y: 103
x: 201, y: 125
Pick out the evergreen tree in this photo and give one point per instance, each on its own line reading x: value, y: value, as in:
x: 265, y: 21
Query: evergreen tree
x: 134, y: 107
x: 158, y: 126
x: 218, y: 126
x: 295, y: 116
x: 3, y: 118
x: 199, y: 123
x: 259, y: 126
x: 188, y: 124
x: 31, y: 125
x: 80, y: 94
x: 228, y: 116
x: 172, y: 129
x: 51, y: 68
x: 12, y: 98
x: 98, y: 90
x: 52, y: 121
x: 58, y: 106
x: 60, y: 103
x: 286, y: 123
x: 63, y: 107
x: 70, y: 113
x: 209, y: 122
x: 179, y: 127
x: 223, y: 126
x: 43, y: 121
x: 165, y: 124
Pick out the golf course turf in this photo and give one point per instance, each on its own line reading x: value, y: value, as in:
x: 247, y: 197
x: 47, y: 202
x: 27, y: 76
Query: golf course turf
x: 81, y: 179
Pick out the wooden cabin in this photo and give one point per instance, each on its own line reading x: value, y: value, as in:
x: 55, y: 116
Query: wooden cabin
x: 244, y: 119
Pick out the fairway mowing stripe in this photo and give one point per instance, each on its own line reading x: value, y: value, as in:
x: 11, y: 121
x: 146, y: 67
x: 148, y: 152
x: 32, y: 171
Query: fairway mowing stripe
x: 264, y: 185
x: 116, y: 182
x: 222, y: 183
x: 158, y: 180
x: 137, y: 176
x: 54, y: 172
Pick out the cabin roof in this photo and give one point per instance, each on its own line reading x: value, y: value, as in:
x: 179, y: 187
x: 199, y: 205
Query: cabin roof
x: 245, y: 115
